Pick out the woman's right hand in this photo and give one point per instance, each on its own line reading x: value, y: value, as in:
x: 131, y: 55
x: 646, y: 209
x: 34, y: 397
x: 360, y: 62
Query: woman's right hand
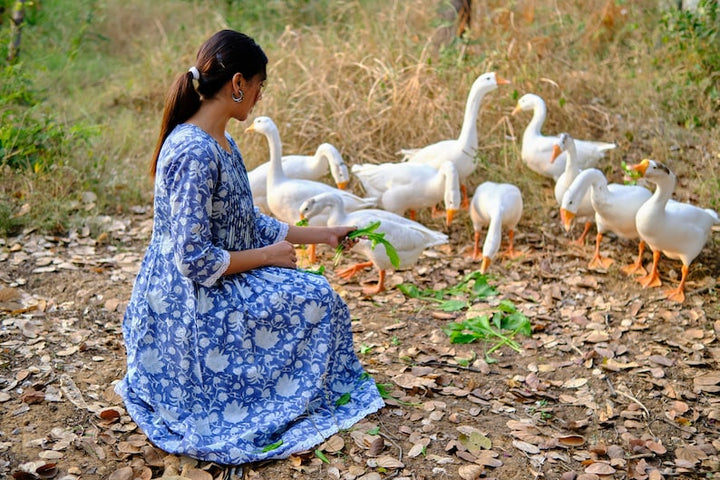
x: 281, y: 254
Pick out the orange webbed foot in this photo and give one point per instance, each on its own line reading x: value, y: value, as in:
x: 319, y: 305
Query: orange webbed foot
x: 634, y: 269
x: 600, y: 262
x: 652, y: 279
x: 378, y: 287
x: 675, y: 294
x: 349, y: 272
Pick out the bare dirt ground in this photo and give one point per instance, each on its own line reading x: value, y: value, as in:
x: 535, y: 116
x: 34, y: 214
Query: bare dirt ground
x: 615, y: 382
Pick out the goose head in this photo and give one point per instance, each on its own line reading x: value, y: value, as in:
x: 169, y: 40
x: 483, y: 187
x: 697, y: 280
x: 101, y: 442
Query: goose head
x: 565, y: 144
x: 487, y: 82
x: 529, y: 101
x: 338, y: 168
x: 656, y: 172
x: 451, y: 197
x: 263, y: 125
x: 314, y: 206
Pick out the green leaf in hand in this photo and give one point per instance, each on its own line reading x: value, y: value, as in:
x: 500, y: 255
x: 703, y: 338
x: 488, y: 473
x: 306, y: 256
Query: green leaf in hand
x: 369, y: 233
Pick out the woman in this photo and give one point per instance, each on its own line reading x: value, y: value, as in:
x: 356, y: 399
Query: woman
x: 233, y: 355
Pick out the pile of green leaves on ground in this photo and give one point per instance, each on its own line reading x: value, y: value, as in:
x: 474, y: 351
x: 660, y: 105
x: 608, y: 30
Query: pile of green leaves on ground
x: 501, y: 327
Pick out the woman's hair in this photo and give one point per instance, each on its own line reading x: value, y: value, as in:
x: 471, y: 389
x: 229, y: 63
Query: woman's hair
x: 223, y: 55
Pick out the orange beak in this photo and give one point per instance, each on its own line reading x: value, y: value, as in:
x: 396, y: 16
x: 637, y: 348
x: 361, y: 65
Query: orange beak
x: 251, y: 128
x: 567, y: 218
x: 555, y: 153
x: 516, y: 109
x: 449, y: 215
x: 501, y: 81
x: 641, y: 167
x: 486, y: 261
x: 342, y: 185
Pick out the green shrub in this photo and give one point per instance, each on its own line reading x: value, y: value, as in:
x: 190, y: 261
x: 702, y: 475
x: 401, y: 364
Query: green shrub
x: 30, y: 136
x: 692, y: 40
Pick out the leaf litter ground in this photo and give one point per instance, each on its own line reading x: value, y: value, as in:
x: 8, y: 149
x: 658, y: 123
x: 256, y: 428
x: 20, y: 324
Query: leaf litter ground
x: 614, y: 382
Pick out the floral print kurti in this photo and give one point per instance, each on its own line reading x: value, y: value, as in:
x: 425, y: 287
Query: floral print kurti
x: 236, y: 368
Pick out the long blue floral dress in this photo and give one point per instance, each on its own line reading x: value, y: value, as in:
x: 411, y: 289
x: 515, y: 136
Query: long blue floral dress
x: 237, y: 368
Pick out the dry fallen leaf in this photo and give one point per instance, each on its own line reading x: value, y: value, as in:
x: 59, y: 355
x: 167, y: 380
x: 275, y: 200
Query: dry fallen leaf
x: 600, y: 468
x: 571, y: 440
x: 470, y: 472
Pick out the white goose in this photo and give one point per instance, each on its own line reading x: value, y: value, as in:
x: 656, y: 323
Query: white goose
x: 408, y: 187
x: 409, y: 238
x: 460, y: 151
x: 585, y: 212
x: 679, y: 230
x: 615, y: 205
x: 309, y: 167
x: 537, y: 148
x: 284, y: 194
x: 497, y: 205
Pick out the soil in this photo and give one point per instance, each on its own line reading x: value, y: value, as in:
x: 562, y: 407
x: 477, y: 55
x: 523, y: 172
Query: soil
x: 614, y: 381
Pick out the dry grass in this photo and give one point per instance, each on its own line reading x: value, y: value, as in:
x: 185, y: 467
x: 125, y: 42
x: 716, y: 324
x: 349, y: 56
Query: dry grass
x: 387, y: 75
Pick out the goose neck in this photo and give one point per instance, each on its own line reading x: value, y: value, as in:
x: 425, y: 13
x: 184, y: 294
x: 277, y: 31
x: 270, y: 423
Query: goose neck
x: 538, y: 118
x: 468, y: 133
x: 275, y: 149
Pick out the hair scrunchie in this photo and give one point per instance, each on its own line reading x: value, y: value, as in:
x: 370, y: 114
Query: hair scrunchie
x: 195, y: 72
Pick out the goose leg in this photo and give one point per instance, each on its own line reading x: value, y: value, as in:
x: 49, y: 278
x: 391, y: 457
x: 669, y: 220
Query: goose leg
x: 412, y: 214
x: 511, y: 252
x: 652, y: 279
x: 312, y: 253
x: 581, y: 240
x: 598, y: 261
x: 372, y: 290
x: 476, y: 247
x: 637, y: 267
x: 350, y: 271
x: 678, y: 294
x: 465, y: 202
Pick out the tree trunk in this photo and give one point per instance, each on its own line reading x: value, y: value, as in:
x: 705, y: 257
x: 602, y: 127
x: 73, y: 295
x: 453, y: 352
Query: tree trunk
x: 464, y: 14
x: 18, y: 16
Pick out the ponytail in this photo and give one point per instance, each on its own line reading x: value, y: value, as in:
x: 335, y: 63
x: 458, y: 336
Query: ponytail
x: 181, y: 103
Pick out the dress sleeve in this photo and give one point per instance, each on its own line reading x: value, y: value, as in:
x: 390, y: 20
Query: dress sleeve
x: 269, y: 229
x: 190, y: 182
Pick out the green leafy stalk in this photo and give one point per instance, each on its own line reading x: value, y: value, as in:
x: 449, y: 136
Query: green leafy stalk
x: 368, y: 232
x: 318, y: 271
x: 455, y: 298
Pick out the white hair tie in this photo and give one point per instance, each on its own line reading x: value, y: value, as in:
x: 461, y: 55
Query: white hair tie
x: 195, y: 72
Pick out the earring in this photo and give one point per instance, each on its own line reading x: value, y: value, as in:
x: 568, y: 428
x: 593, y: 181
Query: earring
x: 239, y: 98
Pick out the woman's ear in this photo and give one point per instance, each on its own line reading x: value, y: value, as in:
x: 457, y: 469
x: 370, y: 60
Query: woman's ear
x: 238, y: 80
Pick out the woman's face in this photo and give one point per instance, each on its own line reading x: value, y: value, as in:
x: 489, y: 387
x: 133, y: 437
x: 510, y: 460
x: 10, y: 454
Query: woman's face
x: 253, y: 92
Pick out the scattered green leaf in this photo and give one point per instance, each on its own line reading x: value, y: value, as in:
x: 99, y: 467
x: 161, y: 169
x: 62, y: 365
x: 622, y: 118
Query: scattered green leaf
x: 344, y: 399
x: 321, y: 455
x: 272, y: 446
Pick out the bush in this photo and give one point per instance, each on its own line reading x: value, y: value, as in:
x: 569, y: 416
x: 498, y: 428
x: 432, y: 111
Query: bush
x: 31, y: 137
x: 692, y: 38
